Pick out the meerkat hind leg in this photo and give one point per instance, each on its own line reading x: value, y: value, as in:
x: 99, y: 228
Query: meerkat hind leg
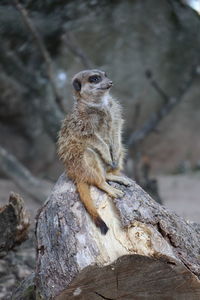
x: 119, y: 179
x: 111, y: 191
x: 96, y: 176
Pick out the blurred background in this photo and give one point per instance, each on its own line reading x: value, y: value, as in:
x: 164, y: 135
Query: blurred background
x: 151, y: 51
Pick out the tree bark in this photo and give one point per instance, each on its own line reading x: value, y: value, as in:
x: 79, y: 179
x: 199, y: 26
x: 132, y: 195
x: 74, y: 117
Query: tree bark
x: 26, y: 290
x: 14, y: 224
x: 148, y: 252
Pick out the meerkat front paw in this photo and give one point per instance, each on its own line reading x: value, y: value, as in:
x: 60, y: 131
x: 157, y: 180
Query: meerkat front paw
x: 125, y: 181
x: 120, y: 179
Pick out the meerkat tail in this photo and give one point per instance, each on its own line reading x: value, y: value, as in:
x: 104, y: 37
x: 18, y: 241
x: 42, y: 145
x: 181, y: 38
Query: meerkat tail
x: 84, y: 192
x: 101, y: 225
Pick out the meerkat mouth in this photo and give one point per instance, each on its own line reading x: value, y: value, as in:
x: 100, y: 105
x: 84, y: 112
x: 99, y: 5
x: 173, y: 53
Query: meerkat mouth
x: 105, y: 88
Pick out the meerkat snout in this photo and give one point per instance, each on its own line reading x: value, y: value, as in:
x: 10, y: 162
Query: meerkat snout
x: 110, y: 83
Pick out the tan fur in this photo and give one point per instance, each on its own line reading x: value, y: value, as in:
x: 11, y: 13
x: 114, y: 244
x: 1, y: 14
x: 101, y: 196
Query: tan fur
x: 90, y: 140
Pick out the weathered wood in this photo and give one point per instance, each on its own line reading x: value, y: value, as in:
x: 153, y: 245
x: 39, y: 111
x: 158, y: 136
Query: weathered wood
x: 26, y: 290
x: 14, y: 223
x: 147, y: 252
x: 134, y: 277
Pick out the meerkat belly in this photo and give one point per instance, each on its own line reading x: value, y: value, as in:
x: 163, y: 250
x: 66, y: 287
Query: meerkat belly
x: 106, y: 134
x: 104, y: 151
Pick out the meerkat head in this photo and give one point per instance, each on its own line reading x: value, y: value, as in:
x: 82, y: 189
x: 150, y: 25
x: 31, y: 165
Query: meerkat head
x: 91, y: 85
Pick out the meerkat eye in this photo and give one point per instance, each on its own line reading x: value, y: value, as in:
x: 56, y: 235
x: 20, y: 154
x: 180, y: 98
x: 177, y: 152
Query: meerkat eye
x: 94, y: 79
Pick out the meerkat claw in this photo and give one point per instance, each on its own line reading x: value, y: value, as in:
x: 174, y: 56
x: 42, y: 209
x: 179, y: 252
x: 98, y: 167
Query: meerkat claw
x: 116, y: 193
x: 126, y: 182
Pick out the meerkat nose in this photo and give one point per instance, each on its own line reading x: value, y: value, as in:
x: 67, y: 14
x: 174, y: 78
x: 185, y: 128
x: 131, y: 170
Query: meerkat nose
x: 110, y: 83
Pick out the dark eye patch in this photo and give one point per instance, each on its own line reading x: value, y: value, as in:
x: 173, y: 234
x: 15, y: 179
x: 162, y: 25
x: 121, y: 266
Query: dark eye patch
x: 94, y: 79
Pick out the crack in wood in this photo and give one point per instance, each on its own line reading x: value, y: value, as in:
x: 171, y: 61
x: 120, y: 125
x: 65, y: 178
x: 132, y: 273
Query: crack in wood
x: 117, y: 281
x: 103, y: 297
x: 168, y: 237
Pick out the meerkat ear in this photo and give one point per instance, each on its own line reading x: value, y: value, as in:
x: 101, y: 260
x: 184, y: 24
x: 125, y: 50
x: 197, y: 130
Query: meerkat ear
x: 77, y: 85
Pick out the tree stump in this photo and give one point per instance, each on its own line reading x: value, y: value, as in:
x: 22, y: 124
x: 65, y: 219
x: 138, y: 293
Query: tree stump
x: 148, y: 252
x: 14, y: 224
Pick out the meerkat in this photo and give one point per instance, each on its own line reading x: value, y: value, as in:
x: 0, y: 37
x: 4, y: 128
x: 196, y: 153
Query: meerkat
x: 89, y: 141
